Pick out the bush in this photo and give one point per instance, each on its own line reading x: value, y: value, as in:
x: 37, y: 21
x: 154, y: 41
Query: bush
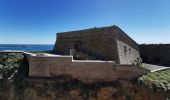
x: 157, y: 81
x: 137, y: 62
x: 13, y: 68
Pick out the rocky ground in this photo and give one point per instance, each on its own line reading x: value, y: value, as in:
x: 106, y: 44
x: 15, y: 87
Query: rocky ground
x: 74, y: 90
x: 42, y: 89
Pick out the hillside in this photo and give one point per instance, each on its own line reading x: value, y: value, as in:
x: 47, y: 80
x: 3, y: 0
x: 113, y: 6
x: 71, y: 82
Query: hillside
x: 15, y: 85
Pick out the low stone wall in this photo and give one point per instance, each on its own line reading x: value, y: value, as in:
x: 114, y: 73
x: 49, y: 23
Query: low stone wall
x: 83, y: 70
x: 126, y: 71
x: 93, y: 70
x: 56, y: 65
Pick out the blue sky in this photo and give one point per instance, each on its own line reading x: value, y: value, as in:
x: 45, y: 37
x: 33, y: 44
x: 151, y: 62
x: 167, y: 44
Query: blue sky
x: 38, y: 21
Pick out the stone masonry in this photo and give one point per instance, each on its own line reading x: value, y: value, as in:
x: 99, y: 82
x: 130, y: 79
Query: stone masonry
x: 106, y: 43
x: 158, y: 54
x: 88, y: 71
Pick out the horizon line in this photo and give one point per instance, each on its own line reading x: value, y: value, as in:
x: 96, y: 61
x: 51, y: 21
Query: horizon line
x: 24, y: 44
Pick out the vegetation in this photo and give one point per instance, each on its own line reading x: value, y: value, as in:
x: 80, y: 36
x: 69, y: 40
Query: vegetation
x: 40, y: 54
x: 157, y: 81
x: 137, y: 62
x: 85, y: 91
x: 13, y: 68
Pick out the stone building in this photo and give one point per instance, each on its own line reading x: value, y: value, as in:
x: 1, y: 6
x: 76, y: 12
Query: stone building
x: 158, y: 54
x: 106, y: 43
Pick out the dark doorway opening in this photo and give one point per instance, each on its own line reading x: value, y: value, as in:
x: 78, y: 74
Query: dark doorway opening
x: 77, y: 45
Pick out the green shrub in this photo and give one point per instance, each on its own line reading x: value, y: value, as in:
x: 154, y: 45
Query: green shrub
x: 158, y: 81
x: 13, y: 68
x: 137, y: 62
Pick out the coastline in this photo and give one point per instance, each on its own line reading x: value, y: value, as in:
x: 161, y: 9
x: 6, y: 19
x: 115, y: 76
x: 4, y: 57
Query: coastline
x: 26, y: 47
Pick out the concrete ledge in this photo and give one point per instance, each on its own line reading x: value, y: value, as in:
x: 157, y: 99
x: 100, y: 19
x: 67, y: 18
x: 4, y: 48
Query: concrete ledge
x: 154, y: 68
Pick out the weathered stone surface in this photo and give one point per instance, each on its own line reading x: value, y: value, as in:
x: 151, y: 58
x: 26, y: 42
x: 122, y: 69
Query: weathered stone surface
x: 128, y: 56
x: 158, y: 54
x: 105, y: 43
x: 88, y: 71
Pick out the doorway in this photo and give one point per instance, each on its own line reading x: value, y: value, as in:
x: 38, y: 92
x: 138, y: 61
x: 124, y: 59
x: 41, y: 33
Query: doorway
x: 77, y: 45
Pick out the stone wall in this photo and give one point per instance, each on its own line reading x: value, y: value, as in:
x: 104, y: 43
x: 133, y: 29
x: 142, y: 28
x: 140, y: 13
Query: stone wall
x: 88, y: 71
x: 126, y: 71
x: 127, y: 54
x: 101, y: 43
x: 158, y: 54
x: 93, y: 42
x: 52, y: 66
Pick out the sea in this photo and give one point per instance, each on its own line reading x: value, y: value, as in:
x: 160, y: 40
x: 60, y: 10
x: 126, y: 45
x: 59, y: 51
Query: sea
x: 25, y: 47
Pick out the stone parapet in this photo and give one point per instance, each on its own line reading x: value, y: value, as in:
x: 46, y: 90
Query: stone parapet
x: 88, y: 71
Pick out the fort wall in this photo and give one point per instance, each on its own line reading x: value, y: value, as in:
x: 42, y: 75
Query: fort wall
x: 52, y: 66
x: 127, y: 54
x: 94, y: 42
x: 101, y: 43
x: 127, y: 71
x: 88, y: 71
x: 158, y: 54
